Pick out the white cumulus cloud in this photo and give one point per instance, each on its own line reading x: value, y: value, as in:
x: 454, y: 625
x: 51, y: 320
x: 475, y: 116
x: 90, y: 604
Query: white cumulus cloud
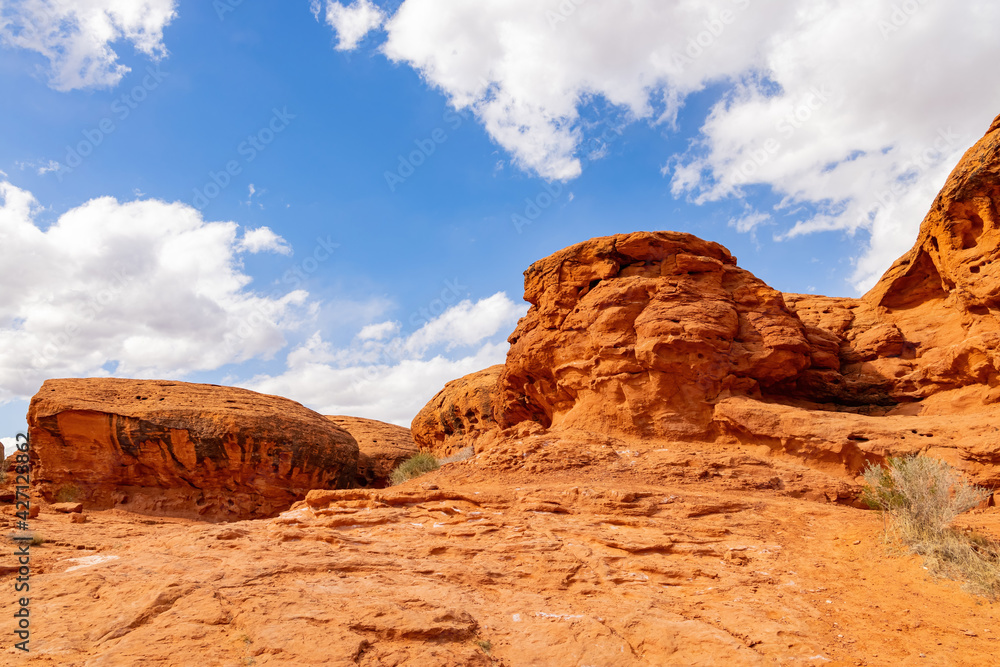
x: 143, y: 288
x: 351, y: 22
x: 76, y: 36
x: 9, y: 446
x: 262, y: 239
x: 851, y: 111
x: 390, y: 377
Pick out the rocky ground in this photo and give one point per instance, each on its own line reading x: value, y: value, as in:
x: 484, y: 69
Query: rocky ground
x: 646, y: 555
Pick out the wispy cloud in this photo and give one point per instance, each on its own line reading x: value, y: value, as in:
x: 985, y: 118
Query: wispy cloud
x: 77, y: 37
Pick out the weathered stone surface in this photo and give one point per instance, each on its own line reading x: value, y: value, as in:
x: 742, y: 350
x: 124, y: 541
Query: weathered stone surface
x: 954, y: 258
x: 638, y: 333
x: 67, y: 508
x: 458, y: 415
x: 382, y: 447
x: 182, y: 449
x: 661, y: 335
x: 682, y: 556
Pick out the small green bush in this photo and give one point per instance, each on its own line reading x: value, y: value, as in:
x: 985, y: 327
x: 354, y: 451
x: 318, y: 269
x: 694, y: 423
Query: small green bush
x: 68, y: 494
x: 920, y: 497
x: 415, y: 466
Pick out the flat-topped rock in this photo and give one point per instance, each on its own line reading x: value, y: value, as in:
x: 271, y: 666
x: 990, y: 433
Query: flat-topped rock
x: 177, y: 448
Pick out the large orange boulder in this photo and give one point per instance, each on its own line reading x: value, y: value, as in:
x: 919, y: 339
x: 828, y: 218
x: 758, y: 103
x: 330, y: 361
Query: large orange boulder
x: 182, y: 449
x: 639, y: 333
x: 381, y: 447
x: 459, y: 414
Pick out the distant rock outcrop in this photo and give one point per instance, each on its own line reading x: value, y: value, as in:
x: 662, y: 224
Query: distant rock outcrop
x: 182, y: 449
x: 660, y: 335
x: 381, y: 446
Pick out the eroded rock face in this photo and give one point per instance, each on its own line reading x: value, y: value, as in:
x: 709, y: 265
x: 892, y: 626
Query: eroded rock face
x: 662, y: 335
x: 458, y: 415
x: 381, y: 447
x: 639, y: 333
x: 959, y: 241
x: 182, y: 449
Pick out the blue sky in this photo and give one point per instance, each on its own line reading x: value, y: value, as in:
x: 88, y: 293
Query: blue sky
x: 335, y: 202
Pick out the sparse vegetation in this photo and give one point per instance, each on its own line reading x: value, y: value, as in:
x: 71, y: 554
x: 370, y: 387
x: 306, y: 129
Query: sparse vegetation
x: 463, y: 454
x: 3, y: 471
x: 68, y: 494
x: 486, y: 645
x: 920, y: 497
x: 37, y: 540
x: 415, y: 466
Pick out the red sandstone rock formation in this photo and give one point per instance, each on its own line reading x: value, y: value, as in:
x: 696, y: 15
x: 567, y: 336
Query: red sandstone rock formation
x: 381, y: 446
x: 639, y: 333
x: 458, y: 414
x: 660, y: 335
x: 182, y: 449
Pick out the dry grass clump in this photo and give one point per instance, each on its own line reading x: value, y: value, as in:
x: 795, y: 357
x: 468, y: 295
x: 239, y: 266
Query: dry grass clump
x: 463, y: 454
x: 920, y: 497
x: 415, y: 466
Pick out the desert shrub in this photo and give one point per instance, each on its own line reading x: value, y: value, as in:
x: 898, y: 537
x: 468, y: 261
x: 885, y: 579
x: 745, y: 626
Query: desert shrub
x: 463, y: 454
x: 415, y: 466
x: 68, y: 494
x: 920, y: 497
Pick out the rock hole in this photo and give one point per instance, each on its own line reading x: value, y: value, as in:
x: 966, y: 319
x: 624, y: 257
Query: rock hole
x: 595, y: 283
x: 934, y: 242
x: 857, y: 438
x: 974, y: 269
x: 972, y: 232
